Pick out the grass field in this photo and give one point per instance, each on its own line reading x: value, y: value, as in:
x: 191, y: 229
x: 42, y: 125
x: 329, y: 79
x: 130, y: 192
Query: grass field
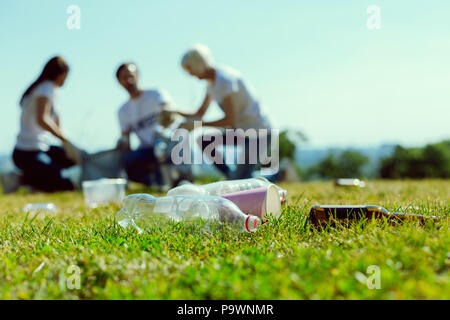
x: 282, y: 260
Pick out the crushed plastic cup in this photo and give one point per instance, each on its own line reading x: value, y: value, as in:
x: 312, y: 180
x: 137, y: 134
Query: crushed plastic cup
x: 103, y: 191
x: 34, y: 207
x: 257, y: 202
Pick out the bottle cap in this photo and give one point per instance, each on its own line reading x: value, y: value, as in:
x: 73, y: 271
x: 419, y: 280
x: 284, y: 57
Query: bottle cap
x: 252, y: 223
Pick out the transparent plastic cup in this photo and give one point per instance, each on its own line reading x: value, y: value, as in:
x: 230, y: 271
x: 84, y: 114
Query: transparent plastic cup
x: 103, y: 191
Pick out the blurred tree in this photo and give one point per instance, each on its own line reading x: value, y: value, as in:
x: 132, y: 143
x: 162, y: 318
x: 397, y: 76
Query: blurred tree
x: 432, y: 161
x: 436, y: 160
x: 289, y: 141
x: 328, y: 167
x: 349, y: 164
x: 287, y: 147
x: 352, y: 164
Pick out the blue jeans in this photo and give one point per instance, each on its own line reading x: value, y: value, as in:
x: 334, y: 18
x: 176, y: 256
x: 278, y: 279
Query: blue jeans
x: 140, y: 164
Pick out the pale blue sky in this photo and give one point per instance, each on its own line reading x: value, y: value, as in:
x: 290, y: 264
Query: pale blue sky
x: 314, y: 64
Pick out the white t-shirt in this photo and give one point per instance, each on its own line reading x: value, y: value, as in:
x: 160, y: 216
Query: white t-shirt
x: 247, y: 108
x: 32, y: 137
x: 140, y: 115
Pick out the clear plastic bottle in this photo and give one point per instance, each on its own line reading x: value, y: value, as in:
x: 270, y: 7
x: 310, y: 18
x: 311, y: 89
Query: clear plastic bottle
x: 144, y: 210
x: 33, y: 207
x: 346, y: 182
x: 225, y: 187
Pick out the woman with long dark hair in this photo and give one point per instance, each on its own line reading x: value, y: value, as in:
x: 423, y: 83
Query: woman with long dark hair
x: 40, y: 162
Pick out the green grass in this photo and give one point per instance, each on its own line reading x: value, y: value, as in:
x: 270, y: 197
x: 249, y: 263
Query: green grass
x: 282, y: 260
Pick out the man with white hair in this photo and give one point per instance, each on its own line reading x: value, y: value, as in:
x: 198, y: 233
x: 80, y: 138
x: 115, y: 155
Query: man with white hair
x: 234, y: 96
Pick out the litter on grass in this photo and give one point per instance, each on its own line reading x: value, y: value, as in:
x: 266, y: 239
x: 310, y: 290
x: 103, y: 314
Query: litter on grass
x: 321, y: 215
x: 345, y: 182
x: 221, y: 188
x: 103, y: 191
x: 144, y: 211
x: 242, y: 204
x: 34, y: 207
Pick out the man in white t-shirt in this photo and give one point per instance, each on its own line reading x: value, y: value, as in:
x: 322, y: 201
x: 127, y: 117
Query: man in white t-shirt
x: 235, y: 97
x: 140, y: 115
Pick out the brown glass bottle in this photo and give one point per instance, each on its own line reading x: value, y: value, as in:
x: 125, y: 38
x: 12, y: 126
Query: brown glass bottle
x: 330, y: 214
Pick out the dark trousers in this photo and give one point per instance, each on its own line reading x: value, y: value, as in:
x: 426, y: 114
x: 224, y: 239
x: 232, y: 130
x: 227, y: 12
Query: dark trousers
x: 140, y: 164
x: 42, y: 170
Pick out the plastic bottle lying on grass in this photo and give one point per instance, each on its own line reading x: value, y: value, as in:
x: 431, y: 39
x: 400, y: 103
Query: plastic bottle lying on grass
x: 225, y: 187
x: 344, y: 182
x: 33, y: 207
x: 144, y: 210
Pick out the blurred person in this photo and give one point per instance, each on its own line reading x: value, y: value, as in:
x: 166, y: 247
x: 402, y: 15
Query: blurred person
x: 140, y: 115
x: 235, y: 97
x: 40, y: 162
